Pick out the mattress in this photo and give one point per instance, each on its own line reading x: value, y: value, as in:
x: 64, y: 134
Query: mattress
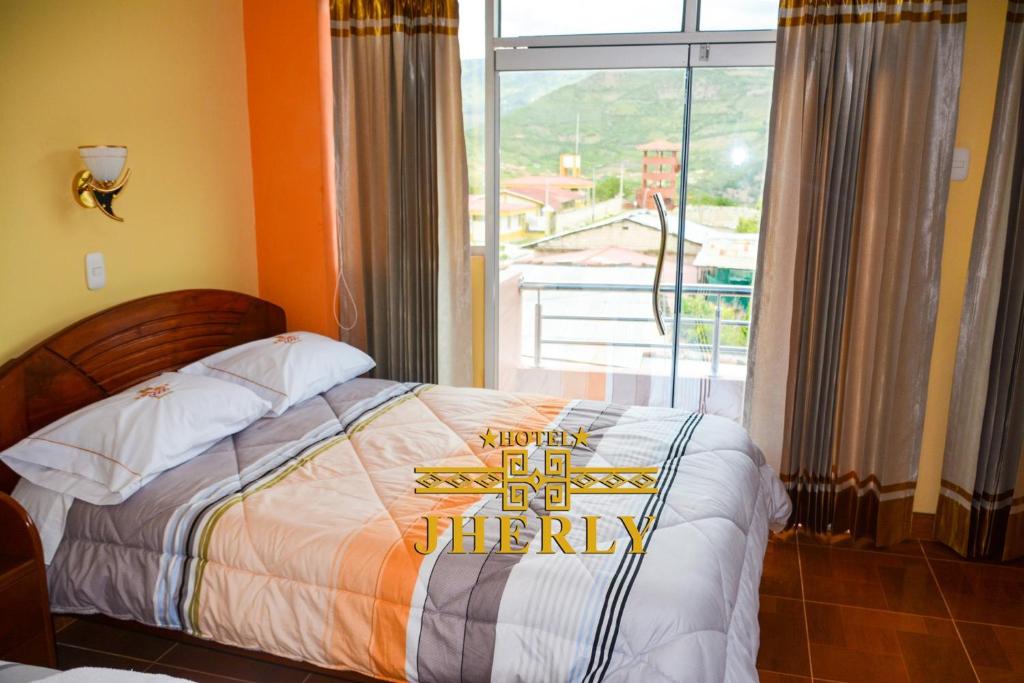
x: 306, y: 536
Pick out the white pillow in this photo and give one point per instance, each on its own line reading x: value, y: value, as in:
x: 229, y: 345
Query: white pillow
x: 106, y: 451
x: 286, y: 369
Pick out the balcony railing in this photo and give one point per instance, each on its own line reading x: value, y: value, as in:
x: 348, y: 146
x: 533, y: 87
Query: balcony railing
x: 717, y: 294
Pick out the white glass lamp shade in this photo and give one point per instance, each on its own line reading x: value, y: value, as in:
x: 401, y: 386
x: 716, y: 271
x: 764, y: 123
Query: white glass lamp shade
x: 105, y: 162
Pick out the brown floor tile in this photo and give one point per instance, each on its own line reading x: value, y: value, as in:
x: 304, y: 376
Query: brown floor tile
x: 69, y: 657
x: 197, y: 676
x: 849, y: 665
x: 61, y: 622
x: 781, y: 575
x: 997, y: 651
x: 987, y: 593
x: 909, y: 547
x: 936, y: 656
x: 118, y: 641
x: 783, y: 637
x: 940, y: 551
x: 888, y: 581
x: 204, y: 659
x: 856, y: 644
x: 773, y: 677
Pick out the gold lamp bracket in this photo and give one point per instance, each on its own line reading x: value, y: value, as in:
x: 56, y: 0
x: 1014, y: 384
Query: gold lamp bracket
x: 93, y: 194
x: 81, y: 189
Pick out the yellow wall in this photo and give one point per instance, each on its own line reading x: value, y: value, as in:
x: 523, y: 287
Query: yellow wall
x: 985, y: 23
x: 168, y: 80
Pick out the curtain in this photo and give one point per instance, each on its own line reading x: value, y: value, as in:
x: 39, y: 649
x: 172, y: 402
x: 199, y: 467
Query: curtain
x: 981, y: 502
x: 861, y: 140
x: 403, y: 185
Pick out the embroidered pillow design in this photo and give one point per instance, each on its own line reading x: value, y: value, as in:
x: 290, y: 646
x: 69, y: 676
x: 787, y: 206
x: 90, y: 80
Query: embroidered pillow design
x: 156, y: 391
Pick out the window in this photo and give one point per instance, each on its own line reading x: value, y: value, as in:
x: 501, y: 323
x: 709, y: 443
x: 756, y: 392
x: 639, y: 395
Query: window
x: 591, y: 122
x: 472, y: 40
x: 601, y: 121
x: 738, y: 15
x: 572, y: 17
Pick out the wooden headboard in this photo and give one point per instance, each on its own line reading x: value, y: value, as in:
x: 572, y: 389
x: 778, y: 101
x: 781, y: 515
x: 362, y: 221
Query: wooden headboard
x: 121, y: 346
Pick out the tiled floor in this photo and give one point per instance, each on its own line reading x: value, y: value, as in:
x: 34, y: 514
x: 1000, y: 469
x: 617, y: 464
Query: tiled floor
x: 828, y: 613
x: 916, y: 612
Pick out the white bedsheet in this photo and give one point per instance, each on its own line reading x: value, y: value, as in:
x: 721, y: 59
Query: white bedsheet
x: 48, y: 511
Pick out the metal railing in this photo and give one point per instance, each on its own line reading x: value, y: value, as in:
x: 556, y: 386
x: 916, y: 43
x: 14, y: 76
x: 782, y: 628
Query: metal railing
x: 717, y: 293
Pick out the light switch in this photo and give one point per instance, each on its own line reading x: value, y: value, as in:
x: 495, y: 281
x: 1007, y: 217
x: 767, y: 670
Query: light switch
x: 961, y: 163
x: 95, y: 271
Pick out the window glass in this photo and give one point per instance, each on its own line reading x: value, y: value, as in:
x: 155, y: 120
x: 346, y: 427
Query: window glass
x: 565, y: 17
x: 582, y: 154
x: 580, y: 147
x: 471, y: 48
x: 738, y: 15
x: 728, y: 146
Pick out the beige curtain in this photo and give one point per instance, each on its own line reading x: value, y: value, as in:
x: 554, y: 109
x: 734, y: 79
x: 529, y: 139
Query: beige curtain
x: 981, y: 504
x: 861, y: 140
x: 404, y: 226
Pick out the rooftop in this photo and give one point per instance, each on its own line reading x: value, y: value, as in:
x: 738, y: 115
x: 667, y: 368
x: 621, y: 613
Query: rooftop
x: 695, y: 232
x: 511, y: 203
x: 661, y: 145
x: 739, y: 251
x: 561, y: 181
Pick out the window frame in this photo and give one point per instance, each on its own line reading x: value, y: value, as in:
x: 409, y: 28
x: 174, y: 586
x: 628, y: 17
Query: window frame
x: 688, y: 48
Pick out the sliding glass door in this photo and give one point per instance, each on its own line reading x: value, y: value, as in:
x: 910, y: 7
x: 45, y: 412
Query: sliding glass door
x: 583, y: 154
x: 727, y: 145
x: 623, y: 176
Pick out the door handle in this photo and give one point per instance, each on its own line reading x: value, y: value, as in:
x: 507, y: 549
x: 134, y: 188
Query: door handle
x: 659, y: 203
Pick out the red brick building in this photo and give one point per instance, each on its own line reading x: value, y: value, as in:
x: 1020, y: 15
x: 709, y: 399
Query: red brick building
x: 660, y: 173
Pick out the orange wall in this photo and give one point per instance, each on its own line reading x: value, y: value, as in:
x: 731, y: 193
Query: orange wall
x: 288, y: 53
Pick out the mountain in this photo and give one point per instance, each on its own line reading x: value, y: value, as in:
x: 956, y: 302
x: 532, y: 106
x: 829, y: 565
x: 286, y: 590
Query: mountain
x: 517, y: 88
x: 619, y: 110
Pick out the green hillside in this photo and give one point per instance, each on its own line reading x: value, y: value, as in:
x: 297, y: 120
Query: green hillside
x: 622, y: 109
x: 517, y: 90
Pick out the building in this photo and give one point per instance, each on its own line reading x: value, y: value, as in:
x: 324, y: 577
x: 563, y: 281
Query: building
x: 659, y: 173
x: 521, y: 216
x: 708, y: 254
x: 559, y: 192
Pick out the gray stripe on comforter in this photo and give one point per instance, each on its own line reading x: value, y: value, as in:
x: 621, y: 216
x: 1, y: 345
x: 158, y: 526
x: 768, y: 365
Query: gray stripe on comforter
x: 457, y: 629
x: 127, y: 560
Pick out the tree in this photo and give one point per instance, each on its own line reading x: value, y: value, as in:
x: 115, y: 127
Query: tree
x: 749, y: 224
x: 608, y: 187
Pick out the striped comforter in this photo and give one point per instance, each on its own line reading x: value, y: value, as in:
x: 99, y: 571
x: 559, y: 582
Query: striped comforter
x: 296, y: 537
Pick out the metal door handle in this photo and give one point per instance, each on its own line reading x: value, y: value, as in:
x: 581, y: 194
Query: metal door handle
x: 660, y: 204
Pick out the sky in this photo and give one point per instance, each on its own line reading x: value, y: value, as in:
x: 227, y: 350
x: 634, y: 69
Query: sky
x: 558, y: 17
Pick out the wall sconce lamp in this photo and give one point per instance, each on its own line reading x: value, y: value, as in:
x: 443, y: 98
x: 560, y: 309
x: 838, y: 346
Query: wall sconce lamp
x: 106, y: 177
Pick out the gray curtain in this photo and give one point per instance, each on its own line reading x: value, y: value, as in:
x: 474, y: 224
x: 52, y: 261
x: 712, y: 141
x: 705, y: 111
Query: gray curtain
x: 861, y: 140
x: 981, y: 503
x: 403, y: 185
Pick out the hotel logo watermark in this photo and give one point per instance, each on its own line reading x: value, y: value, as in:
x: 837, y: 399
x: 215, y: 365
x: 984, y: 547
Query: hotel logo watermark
x: 559, y: 481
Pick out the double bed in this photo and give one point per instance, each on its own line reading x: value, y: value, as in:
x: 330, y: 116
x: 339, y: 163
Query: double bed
x: 297, y: 536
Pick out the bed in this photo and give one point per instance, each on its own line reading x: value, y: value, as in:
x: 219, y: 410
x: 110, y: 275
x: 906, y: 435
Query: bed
x: 298, y: 536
